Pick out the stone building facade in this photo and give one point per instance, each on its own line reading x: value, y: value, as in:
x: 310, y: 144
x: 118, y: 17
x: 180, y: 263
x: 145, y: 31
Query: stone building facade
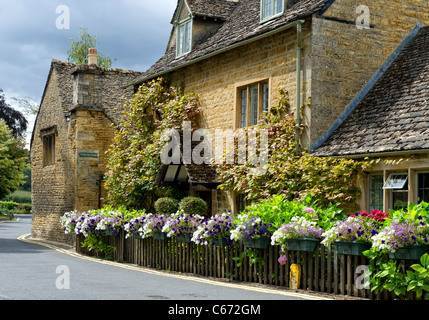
x: 323, y: 50
x: 236, y: 55
x: 72, y: 131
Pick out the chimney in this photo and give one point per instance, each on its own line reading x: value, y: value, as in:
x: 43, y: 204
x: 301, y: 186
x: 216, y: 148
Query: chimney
x: 92, y: 56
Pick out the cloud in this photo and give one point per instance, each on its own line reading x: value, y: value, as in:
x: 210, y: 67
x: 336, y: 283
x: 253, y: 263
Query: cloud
x: 134, y: 32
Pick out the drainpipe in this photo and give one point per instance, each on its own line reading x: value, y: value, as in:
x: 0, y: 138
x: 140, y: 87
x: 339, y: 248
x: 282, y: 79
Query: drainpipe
x: 298, y: 81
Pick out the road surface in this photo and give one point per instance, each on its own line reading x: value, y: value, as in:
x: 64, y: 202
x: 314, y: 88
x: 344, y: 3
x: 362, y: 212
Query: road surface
x: 32, y: 271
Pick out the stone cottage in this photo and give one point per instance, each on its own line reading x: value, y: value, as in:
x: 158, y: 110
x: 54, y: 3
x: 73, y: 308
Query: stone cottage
x: 236, y: 55
x: 72, y: 131
x: 388, y: 122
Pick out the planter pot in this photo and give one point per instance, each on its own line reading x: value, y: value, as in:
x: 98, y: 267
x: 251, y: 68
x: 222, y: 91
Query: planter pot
x: 409, y: 253
x: 302, y: 244
x: 158, y: 235
x: 354, y: 248
x: 109, y: 232
x: 220, y: 242
x: 259, y: 243
x: 184, y: 238
x: 137, y: 235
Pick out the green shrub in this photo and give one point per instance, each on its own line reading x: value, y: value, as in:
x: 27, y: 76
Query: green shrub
x: 9, y: 205
x: 193, y: 205
x: 26, y: 208
x: 166, y: 205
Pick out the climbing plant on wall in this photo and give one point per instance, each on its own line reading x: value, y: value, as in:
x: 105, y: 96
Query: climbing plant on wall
x: 134, y: 156
x: 295, y: 175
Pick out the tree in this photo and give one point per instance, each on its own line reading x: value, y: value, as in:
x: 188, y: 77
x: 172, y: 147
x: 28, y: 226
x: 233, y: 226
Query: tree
x: 13, y: 160
x: 78, y: 52
x: 14, y: 119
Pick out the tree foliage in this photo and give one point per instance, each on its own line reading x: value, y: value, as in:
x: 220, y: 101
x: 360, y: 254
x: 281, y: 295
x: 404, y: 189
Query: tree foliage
x: 13, y: 160
x: 78, y: 51
x: 291, y: 174
x: 134, y: 156
x: 14, y: 119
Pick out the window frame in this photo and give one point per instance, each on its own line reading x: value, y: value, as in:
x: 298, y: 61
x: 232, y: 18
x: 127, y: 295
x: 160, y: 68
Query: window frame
x: 264, y: 17
x: 369, y: 190
x: 183, y: 23
x: 393, y: 190
x: 416, y: 185
x: 246, y: 91
x: 48, y: 142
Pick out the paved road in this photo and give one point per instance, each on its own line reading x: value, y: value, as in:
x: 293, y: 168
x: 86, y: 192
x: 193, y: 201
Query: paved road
x: 36, y: 272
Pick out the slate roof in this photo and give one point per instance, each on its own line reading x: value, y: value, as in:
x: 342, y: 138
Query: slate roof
x: 114, y: 80
x: 220, y: 9
x: 243, y: 23
x: 394, y: 114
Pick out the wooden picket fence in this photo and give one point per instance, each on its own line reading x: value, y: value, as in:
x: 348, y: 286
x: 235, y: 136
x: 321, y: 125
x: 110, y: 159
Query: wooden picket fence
x: 322, y: 271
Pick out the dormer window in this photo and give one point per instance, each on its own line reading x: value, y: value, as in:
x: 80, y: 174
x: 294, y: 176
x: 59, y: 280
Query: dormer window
x: 184, y: 37
x: 271, y: 9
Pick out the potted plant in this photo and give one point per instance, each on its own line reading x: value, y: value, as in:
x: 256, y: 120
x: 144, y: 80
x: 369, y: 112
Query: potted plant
x: 407, y: 239
x: 215, y: 231
x: 133, y: 227
x: 153, y: 225
x: 352, y: 236
x: 252, y: 231
x: 182, y: 226
x: 301, y: 234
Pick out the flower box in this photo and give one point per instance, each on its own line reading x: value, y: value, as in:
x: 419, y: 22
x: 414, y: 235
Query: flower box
x: 354, y: 248
x: 184, y: 238
x: 137, y: 235
x: 158, y: 235
x: 110, y: 232
x: 413, y: 252
x: 220, y: 242
x: 302, y: 244
x: 258, y: 243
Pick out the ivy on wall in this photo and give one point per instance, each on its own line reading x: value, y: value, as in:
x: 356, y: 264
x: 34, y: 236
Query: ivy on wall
x: 292, y: 174
x: 134, y: 156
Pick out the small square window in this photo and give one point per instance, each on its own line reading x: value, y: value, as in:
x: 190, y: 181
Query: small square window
x: 395, y: 181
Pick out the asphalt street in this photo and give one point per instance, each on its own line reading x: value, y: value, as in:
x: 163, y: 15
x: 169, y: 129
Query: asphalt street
x: 31, y: 271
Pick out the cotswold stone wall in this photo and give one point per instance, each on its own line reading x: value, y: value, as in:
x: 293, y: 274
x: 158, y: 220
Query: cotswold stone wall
x: 81, y: 103
x: 344, y: 57
x: 52, y: 186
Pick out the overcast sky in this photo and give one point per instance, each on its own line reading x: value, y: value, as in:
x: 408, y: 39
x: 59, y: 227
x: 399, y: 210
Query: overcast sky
x: 135, y: 32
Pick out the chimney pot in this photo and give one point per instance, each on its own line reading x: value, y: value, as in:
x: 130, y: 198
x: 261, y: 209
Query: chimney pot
x: 92, y: 56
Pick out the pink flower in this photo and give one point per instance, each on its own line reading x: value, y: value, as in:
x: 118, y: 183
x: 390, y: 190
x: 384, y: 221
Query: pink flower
x: 282, y: 260
x: 308, y: 210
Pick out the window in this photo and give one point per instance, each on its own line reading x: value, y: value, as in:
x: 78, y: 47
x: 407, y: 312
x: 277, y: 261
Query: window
x: 271, y: 8
x: 49, y: 150
x: 375, y: 192
x: 253, y: 103
x: 423, y: 187
x: 184, y: 37
x: 398, y: 185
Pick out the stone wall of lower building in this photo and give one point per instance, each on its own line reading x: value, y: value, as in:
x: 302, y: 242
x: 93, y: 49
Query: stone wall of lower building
x: 52, y: 185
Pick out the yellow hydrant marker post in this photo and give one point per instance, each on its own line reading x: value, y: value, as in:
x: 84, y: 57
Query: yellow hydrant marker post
x: 295, y: 276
